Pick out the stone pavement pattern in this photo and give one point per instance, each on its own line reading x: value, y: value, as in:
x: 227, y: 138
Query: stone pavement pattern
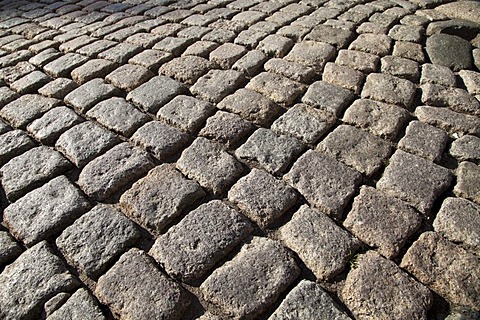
x: 240, y: 159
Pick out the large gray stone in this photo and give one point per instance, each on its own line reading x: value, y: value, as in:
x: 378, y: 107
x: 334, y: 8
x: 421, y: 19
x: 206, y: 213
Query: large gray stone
x: 192, y: 247
x: 468, y: 10
x: 468, y: 181
x: 14, y: 143
x: 89, y: 94
x: 231, y: 288
x: 449, y: 51
x: 446, y: 268
x: 324, y: 247
x: 135, y: 289
x: 36, y: 276
x: 455, y: 98
x: 389, y: 89
x: 163, y: 195
x: 45, y: 211
x: 80, y: 306
x: 28, y: 107
x: 453, y: 122
x: 377, y: 288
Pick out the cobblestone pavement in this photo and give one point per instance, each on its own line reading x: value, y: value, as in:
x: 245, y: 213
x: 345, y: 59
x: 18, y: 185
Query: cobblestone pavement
x: 240, y: 159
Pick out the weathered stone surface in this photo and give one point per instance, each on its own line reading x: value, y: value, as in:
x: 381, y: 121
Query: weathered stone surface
x: 450, y: 121
x: 468, y: 181
x: 343, y: 76
x: 377, y: 44
x: 415, y: 180
x: 30, y: 83
x: 468, y: 10
x: 382, y: 221
x: 279, y: 89
x: 192, y: 247
x: 376, y: 287
x: 155, y: 93
x: 85, y: 141
x: 409, y: 50
x: 45, y: 211
x: 118, y: 115
x: 212, y: 167
x: 251, y: 106
x: 275, y: 45
x: 324, y: 182
x: 456, y: 99
x: 28, y: 107
x: 324, y: 247
x: 134, y: 288
x: 96, y: 238
x: 9, y: 249
x: 52, y: 124
x: 251, y: 63
x: 356, y: 148
x: 361, y: 61
x: 151, y: 59
x: 120, y: 53
x: 400, y: 67
x: 271, y: 151
x: 226, y: 128
x: 449, y: 51
x: 312, y: 54
x: 424, y: 140
x: 161, y: 196
x: 458, y: 221
x: 227, y: 54
x: 308, y: 301
x: 14, y: 143
x: 89, y: 94
x: 129, y: 76
x: 466, y: 148
x: 31, y: 169
x: 187, y: 68
x: 334, y: 36
x: 445, y: 268
x: 81, y: 305
x: 291, y: 70
x: 7, y: 96
x: 389, y: 89
x: 230, y: 287
x: 471, y: 79
x: 62, y: 66
x: 58, y: 88
x: 437, y: 74
x: 95, y: 68
x: 217, y: 84
x: 328, y: 97
x: 36, y: 276
x: 304, y: 123
x: 105, y: 175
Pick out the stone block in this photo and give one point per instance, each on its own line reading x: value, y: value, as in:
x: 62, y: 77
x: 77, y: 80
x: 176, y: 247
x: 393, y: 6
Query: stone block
x: 453, y: 122
x: 79, y: 305
x: 389, y: 89
x: 227, y: 54
x: 89, y: 94
x: 337, y: 37
x: 9, y: 249
x: 151, y: 59
x: 424, y: 140
x: 129, y: 76
x: 120, y: 53
x: 14, y: 143
x: 58, y: 88
x: 312, y: 54
x: 466, y: 148
x: 30, y: 83
x: 95, y: 68
x: 343, y: 76
x: 328, y: 97
x: 217, y: 84
x: 275, y: 45
x: 227, y: 128
x: 436, y: 74
x: 27, y: 108
x: 454, y: 98
x: 187, y: 68
x: 400, y: 67
x: 279, y: 89
x: 468, y: 181
x: 251, y: 63
x: 377, y: 44
x: 409, y: 50
x: 291, y: 70
x: 62, y: 66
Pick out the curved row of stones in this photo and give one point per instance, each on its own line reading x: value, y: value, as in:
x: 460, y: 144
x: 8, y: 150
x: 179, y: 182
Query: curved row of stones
x: 240, y: 159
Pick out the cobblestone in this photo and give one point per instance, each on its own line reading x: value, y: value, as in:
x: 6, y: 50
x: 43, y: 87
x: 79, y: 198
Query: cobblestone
x: 312, y: 54
x: 279, y: 89
x: 227, y: 54
x: 89, y: 94
x: 186, y: 69
x: 62, y: 66
x: 95, y: 68
x: 466, y: 148
x: 30, y: 83
x: 343, y: 76
x: 58, y: 88
x: 334, y: 36
x: 409, y: 50
x: 468, y: 185
x: 389, y: 89
x: 79, y: 305
x: 376, y: 44
x: 14, y: 143
x: 217, y: 84
x: 400, y: 67
x: 325, y: 96
x: 424, y: 140
x: 9, y: 249
x: 27, y: 108
x: 251, y: 63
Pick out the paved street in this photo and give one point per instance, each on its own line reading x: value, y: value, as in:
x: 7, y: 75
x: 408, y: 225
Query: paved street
x: 240, y: 159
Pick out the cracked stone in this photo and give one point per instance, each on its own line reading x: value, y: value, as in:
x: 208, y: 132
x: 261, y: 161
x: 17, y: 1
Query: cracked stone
x: 455, y: 98
x: 453, y: 122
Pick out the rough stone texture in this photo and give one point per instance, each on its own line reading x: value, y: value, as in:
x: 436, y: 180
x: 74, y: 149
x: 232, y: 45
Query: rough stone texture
x: 312, y: 54
x: 9, y: 249
x: 279, y: 89
x: 458, y: 221
x: 96, y: 238
x: 36, y: 276
x: 89, y: 94
x: 291, y: 70
x: 62, y: 66
x: 456, y: 99
x: 251, y: 63
x: 361, y: 61
x: 453, y: 122
x: 324, y: 247
x: 160, y: 139
x: 308, y: 301
x: 415, y: 180
x: 251, y: 106
x: 262, y: 197
x: 14, y: 143
x: 328, y: 97
x: 468, y: 181
x: 118, y: 115
x: 45, y: 211
x: 304, y: 123
x: 120, y: 53
x: 227, y: 54
x: 105, y: 175
x: 84, y: 142
x: 81, y: 305
x: 151, y: 59
x: 471, y: 79
x: 230, y: 288
x: 356, y: 148
x: 134, y: 288
x: 468, y: 10
x: 445, y: 268
x: 436, y: 74
x: 160, y: 197
x: 275, y: 45
x: 400, y: 67
x: 376, y: 287
x: 324, y: 182
x: 382, y: 221
x: 389, y: 89
x: 466, y: 148
x: 95, y: 68
x: 192, y: 247
x: 150, y: 98
x: 186, y: 112
x: 58, y: 88
x: 335, y: 36
x: 226, y: 128
x: 30, y: 83
x: 377, y: 44
x: 343, y: 76
x: 186, y: 69
x: 271, y: 151
x: 27, y: 108
x: 409, y: 50
x: 30, y: 170
x: 217, y: 84
x: 212, y: 167
x: 449, y: 51
x: 129, y: 76
x: 424, y: 140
